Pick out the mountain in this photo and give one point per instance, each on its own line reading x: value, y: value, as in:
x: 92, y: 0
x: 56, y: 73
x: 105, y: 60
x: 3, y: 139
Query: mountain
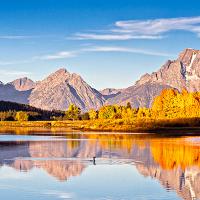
x: 181, y: 73
x: 137, y: 95
x: 61, y: 89
x: 17, y: 91
x: 110, y: 92
x: 9, y: 93
x: 23, y: 84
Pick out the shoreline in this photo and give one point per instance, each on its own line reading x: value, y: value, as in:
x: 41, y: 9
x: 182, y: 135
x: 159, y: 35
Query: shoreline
x: 81, y: 127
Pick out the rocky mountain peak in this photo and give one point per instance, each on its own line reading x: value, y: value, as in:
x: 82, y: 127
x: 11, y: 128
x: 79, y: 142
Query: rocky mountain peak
x: 143, y: 79
x: 181, y: 73
x: 23, y: 84
x: 61, y: 71
x: 61, y: 89
x: 184, y: 72
x: 187, y: 55
x: 59, y: 74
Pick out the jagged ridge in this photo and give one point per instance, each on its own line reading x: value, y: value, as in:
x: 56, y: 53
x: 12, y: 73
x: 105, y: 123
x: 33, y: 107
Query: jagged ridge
x: 62, y: 88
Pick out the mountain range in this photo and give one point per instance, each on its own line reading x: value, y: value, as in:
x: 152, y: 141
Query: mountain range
x: 61, y: 88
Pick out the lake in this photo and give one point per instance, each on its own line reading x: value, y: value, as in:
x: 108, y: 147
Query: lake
x: 99, y: 167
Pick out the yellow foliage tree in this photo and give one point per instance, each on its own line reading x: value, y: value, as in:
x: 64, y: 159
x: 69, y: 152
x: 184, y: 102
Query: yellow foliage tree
x: 93, y: 114
x: 174, y: 104
x: 21, y: 116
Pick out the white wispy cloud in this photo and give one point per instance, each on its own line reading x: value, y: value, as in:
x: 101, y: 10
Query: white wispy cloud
x: 90, y: 36
x: 144, y: 29
x: 158, y: 26
x: 6, y: 63
x: 58, y: 55
x: 75, y: 53
x: 125, y: 50
x: 14, y: 62
x: 6, y: 72
x: 59, y: 194
x: 55, y: 56
x: 16, y: 37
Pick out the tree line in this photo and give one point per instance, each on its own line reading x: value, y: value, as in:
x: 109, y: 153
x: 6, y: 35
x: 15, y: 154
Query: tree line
x: 170, y: 104
x: 10, y: 111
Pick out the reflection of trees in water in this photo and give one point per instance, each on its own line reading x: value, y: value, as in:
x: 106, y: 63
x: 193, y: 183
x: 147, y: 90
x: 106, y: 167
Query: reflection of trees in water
x: 174, y: 154
x: 179, y: 166
x: 174, y: 162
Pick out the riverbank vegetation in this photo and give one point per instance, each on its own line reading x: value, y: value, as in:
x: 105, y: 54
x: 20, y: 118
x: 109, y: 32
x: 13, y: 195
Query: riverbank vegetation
x: 10, y: 111
x: 170, y: 109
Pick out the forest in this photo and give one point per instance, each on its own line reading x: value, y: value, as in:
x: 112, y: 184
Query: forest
x: 170, y: 104
x: 170, y: 109
x: 10, y: 111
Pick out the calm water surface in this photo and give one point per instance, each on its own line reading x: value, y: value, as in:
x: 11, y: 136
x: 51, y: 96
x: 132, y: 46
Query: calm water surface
x: 126, y: 167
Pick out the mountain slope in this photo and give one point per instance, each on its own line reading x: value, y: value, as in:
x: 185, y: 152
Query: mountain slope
x: 9, y: 93
x: 61, y: 89
x: 181, y: 73
x: 138, y: 96
x: 110, y: 92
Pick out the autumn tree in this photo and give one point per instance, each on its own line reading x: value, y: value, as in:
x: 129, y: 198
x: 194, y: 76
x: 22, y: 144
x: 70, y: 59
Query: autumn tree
x: 21, y: 116
x: 163, y: 104
x: 107, y: 112
x: 93, y: 114
x: 73, y: 112
x: 144, y: 113
x: 174, y: 104
x: 7, y: 116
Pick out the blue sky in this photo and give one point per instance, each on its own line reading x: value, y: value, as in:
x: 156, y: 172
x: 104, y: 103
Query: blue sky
x: 110, y: 43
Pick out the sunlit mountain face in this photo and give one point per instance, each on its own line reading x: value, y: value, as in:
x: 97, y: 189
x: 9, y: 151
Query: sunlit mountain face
x: 174, y: 161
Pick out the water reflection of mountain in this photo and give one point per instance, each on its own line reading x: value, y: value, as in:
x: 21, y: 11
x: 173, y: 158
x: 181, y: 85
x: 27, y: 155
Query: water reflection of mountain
x: 42, y: 156
x: 185, y: 182
x: 175, y: 163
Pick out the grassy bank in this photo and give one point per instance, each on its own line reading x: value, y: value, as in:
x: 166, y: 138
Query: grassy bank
x: 121, y: 125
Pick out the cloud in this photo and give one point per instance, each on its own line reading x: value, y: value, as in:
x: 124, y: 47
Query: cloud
x: 144, y: 29
x: 55, y: 56
x: 157, y: 26
x: 88, y: 36
x: 5, y: 72
x: 125, y: 50
x: 7, y: 62
x: 71, y: 54
x: 58, y: 55
x: 58, y: 194
x: 16, y: 37
x: 4, y: 63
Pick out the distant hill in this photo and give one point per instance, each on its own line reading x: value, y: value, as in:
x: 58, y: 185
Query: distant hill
x: 11, y: 106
